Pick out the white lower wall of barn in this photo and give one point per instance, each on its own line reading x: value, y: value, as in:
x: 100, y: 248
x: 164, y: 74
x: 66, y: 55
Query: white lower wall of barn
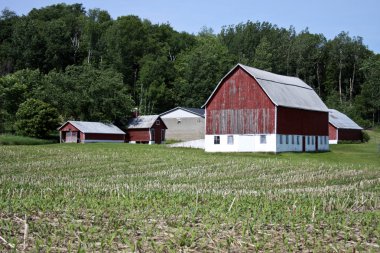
x: 333, y: 141
x: 270, y: 143
x: 241, y: 143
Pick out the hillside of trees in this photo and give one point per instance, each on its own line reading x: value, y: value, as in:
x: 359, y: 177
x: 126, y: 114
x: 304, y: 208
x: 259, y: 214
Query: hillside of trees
x: 88, y: 66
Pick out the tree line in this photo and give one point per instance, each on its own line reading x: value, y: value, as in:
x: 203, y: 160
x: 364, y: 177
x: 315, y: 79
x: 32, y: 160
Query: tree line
x: 88, y: 66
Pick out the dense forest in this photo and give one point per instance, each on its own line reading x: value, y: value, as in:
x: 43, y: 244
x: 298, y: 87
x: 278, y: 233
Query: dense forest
x: 84, y: 65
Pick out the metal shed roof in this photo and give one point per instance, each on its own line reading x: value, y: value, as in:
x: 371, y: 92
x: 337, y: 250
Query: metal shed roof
x: 284, y: 91
x: 196, y: 111
x: 146, y: 121
x: 95, y: 127
x: 341, y: 120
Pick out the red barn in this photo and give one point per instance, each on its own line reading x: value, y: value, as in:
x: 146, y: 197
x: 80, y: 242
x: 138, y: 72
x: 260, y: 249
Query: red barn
x: 252, y: 110
x: 84, y: 132
x: 342, y: 128
x: 146, y: 129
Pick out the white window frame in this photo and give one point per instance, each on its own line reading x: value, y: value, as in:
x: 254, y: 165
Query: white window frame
x: 230, y: 140
x: 263, y: 139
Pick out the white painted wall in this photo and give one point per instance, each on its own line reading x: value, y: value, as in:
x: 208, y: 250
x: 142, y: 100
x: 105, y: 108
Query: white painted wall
x: 291, y: 146
x: 242, y: 143
x: 333, y: 141
x: 179, y: 113
x: 252, y: 143
x: 323, y: 144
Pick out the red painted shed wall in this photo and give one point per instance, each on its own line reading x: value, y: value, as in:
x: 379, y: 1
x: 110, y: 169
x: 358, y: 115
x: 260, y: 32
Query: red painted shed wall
x: 302, y: 122
x: 143, y: 135
x: 350, y: 135
x: 113, y: 137
x: 332, y: 132
x: 240, y: 106
x: 138, y: 134
x: 69, y: 127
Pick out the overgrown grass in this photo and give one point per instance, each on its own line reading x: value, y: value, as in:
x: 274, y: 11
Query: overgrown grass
x: 7, y: 139
x: 129, y: 198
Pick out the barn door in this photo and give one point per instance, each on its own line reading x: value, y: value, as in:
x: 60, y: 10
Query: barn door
x: 303, y: 143
x: 316, y: 143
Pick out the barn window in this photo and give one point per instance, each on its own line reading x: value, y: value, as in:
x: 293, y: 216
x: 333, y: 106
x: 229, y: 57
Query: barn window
x: 216, y: 139
x: 292, y: 139
x: 287, y: 139
x: 263, y: 139
x: 298, y: 140
x: 230, y: 140
x: 157, y: 122
x: 312, y: 140
x: 280, y: 139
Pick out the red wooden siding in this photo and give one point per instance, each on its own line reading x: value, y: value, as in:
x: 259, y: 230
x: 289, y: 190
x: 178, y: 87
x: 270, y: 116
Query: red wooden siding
x: 303, y: 122
x: 143, y: 134
x: 332, y: 132
x: 138, y: 135
x: 69, y: 127
x: 350, y: 135
x: 240, y: 106
x: 113, y: 137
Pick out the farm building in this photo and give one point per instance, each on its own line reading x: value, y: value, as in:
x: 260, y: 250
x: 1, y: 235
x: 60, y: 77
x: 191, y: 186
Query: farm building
x: 146, y: 129
x: 342, y: 128
x: 84, y: 132
x: 184, y: 123
x: 252, y: 110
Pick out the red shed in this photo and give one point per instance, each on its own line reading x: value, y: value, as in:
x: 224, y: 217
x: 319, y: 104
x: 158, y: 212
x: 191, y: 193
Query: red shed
x: 342, y: 128
x: 146, y: 129
x: 84, y: 132
x: 252, y: 110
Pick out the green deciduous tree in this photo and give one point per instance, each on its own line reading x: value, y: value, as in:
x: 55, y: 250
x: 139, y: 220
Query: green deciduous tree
x: 199, y: 71
x: 263, y: 55
x: 369, y: 99
x: 36, y: 118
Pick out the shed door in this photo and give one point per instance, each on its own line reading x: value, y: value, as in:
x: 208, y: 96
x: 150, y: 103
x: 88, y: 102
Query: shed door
x: 71, y: 137
x: 152, y: 134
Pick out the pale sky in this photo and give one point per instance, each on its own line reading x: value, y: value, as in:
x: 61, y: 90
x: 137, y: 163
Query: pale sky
x: 329, y: 17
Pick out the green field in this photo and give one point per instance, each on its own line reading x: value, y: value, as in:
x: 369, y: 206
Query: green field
x: 121, y: 197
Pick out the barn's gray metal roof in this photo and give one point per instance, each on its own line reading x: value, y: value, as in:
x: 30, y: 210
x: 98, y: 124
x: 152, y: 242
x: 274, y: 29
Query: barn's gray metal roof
x: 146, y: 121
x: 196, y: 111
x: 95, y: 127
x: 341, y: 120
x: 284, y: 91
